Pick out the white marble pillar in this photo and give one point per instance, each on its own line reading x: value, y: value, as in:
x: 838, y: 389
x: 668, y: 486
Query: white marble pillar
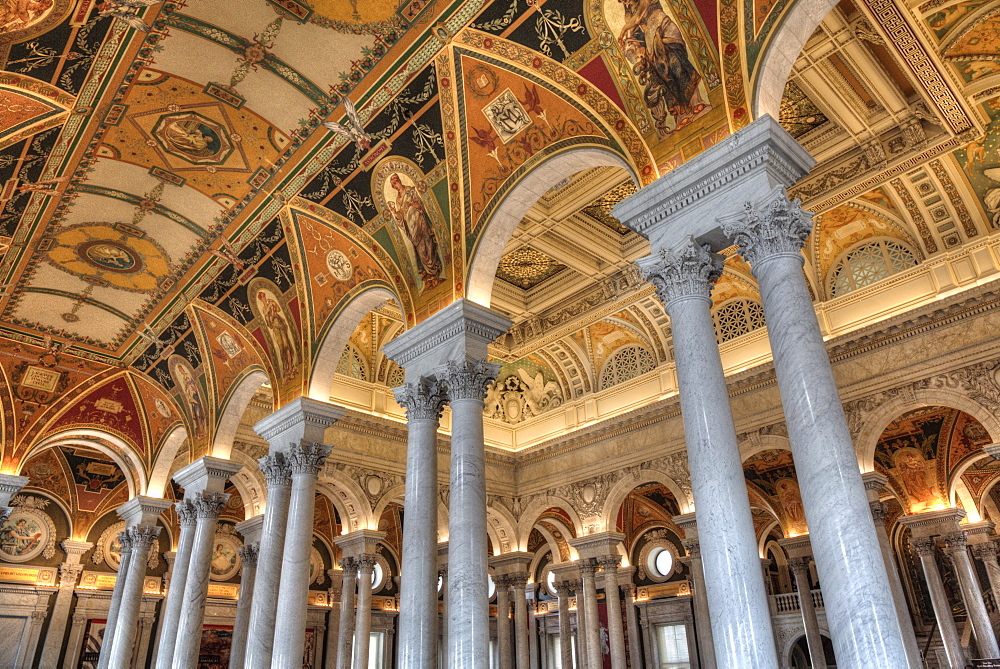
x: 115, y: 605
x: 986, y: 641
x: 141, y: 539
x: 333, y: 618
x: 207, y: 506
x: 418, y: 635
x: 612, y: 596
x: 69, y: 572
x: 345, y: 634
x: 987, y: 554
x: 264, y: 606
x: 582, y: 649
x: 505, y: 648
x: 468, y: 622
x: 249, y: 552
x: 702, y: 619
x: 443, y: 571
x: 859, y: 607
x: 171, y: 611
x: 533, y: 654
x: 305, y: 460
x: 592, y: 624
x: 741, y: 621
x: 565, y: 642
x: 800, y: 570
x: 634, y: 647
x: 519, y: 583
x: 874, y: 482
x: 925, y: 548
x: 363, y: 619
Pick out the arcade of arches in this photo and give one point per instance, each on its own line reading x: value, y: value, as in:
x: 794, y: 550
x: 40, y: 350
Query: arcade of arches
x: 526, y: 334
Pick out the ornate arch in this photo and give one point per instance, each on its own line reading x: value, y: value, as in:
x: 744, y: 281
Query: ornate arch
x: 531, y: 514
x: 621, y: 489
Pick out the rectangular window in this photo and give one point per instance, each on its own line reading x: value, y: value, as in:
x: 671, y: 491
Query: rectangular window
x: 672, y: 645
x: 554, y: 652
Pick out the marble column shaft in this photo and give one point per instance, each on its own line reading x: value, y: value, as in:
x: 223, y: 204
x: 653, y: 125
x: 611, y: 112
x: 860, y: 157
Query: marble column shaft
x: 305, y: 461
x: 505, y: 649
x: 468, y: 612
x: 741, y: 620
x: 612, y: 595
x: 345, y: 634
x: 363, y: 619
x: 702, y: 619
x: 925, y: 549
x: 987, y: 554
x: 444, y: 607
x: 207, y: 506
x: 592, y: 623
x: 519, y: 583
x: 859, y: 606
x: 69, y: 572
x: 141, y: 538
x: 986, y: 641
x: 582, y: 649
x: 115, y: 605
x: 800, y: 570
x: 171, y: 611
x: 418, y: 634
x: 533, y: 654
x: 896, y: 586
x: 264, y: 606
x: 634, y: 648
x: 565, y: 643
x: 248, y: 557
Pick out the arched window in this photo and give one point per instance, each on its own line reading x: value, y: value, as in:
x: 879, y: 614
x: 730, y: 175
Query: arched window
x: 737, y: 317
x: 396, y: 377
x: 353, y: 364
x: 627, y: 363
x: 868, y: 263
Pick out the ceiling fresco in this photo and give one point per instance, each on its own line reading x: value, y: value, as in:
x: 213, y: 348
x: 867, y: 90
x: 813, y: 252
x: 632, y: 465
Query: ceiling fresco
x: 175, y: 217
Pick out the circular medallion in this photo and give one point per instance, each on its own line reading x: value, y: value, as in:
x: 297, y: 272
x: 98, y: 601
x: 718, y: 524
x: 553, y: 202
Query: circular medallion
x: 338, y: 264
x: 26, y: 535
x: 225, y: 557
x: 110, y: 256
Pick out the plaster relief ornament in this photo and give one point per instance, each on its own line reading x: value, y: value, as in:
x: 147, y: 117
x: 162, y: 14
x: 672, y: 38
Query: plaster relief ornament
x: 354, y: 130
x: 339, y: 265
x: 126, y: 11
x: 20, y: 14
x: 515, y: 399
x: 506, y: 115
x: 28, y: 532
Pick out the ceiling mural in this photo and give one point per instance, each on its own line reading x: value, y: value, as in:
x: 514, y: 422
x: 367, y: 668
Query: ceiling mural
x: 771, y: 474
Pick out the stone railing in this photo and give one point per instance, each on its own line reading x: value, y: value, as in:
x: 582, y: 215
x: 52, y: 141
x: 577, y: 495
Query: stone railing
x: 789, y: 602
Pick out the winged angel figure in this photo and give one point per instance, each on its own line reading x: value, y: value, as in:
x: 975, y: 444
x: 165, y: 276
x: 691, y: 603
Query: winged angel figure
x: 127, y: 11
x: 539, y: 395
x: 354, y: 131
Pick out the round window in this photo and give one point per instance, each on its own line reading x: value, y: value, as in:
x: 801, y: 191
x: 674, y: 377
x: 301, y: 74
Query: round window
x: 660, y: 562
x: 550, y: 582
x: 491, y: 590
x: 377, y: 576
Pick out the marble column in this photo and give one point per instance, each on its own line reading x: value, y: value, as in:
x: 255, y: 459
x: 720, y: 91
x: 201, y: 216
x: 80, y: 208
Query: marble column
x: 345, y: 635
x: 333, y: 618
x: 505, y: 649
x: 140, y: 515
x: 249, y: 551
x: 741, y: 621
x: 171, y: 611
x: 702, y: 619
x: 418, y: 635
x: 800, y: 570
x: 443, y: 571
x: 451, y: 347
x: 565, y: 642
x: 207, y: 506
x: 533, y: 650
x: 264, y: 606
x: 305, y: 460
x: 363, y: 620
x: 582, y: 650
x: 69, y: 572
x: 612, y: 596
x: 519, y: 583
x: 987, y: 554
x: 634, y: 648
x: 592, y: 623
x: 860, y: 611
x: 874, y: 482
x: 10, y: 485
x: 115, y: 605
x: 986, y: 641
x: 925, y: 547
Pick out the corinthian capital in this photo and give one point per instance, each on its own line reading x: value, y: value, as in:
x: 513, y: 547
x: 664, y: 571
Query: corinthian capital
x: 923, y: 547
x: 468, y: 380
x: 275, y: 469
x: 423, y: 399
x: 307, y: 457
x: 690, y: 271
x: 208, y: 505
x: 772, y: 226
x: 185, y: 513
x: 142, y: 536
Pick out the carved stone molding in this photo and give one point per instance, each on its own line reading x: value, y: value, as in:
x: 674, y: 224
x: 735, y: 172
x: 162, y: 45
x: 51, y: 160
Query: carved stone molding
x: 772, y: 226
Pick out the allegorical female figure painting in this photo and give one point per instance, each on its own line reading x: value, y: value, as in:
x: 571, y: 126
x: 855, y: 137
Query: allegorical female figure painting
x: 407, y: 208
x: 278, y: 326
x: 653, y: 44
